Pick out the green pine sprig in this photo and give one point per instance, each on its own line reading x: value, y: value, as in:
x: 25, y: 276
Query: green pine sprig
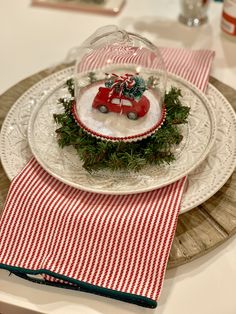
x: 97, y: 154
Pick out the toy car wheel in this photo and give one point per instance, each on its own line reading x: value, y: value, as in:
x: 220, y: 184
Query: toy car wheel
x: 132, y: 115
x: 103, y: 109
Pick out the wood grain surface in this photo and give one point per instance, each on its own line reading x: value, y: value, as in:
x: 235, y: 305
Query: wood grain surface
x: 198, y: 231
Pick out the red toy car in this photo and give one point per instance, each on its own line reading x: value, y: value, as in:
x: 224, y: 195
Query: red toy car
x: 105, y: 102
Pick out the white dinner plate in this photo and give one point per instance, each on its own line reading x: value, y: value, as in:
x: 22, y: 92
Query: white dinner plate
x: 204, y: 181
x: 65, y: 165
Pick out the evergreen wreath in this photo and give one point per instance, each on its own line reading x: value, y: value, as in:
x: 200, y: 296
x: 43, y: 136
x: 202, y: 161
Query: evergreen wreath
x: 98, y: 154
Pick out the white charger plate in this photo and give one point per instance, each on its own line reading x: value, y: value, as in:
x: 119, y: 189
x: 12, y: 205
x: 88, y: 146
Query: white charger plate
x: 204, y: 181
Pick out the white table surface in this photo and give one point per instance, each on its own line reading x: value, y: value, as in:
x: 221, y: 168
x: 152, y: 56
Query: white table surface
x: 32, y: 39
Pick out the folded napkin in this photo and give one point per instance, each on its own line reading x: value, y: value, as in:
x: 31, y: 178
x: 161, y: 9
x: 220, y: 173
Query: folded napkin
x: 111, y: 245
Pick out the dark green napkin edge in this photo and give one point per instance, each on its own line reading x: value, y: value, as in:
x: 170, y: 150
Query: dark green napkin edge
x: 81, y: 286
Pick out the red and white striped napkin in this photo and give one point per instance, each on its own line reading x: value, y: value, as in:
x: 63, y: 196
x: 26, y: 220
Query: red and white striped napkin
x: 116, y: 246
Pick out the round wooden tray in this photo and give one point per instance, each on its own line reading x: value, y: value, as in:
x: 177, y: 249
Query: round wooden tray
x: 198, y: 231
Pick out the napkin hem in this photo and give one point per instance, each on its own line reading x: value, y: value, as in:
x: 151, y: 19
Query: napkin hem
x: 80, y: 285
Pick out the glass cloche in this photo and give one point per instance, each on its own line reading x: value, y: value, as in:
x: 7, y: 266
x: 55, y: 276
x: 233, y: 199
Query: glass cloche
x: 120, y: 82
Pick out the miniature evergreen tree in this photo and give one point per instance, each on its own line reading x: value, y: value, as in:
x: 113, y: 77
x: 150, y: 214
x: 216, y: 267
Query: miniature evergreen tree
x: 92, y: 77
x: 131, y: 86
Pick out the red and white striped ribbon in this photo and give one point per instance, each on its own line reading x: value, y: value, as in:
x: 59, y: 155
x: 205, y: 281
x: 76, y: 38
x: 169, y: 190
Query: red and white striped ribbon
x: 117, y: 242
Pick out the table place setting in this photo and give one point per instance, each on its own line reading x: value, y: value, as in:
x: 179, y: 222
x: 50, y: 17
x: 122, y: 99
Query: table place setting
x: 104, y: 227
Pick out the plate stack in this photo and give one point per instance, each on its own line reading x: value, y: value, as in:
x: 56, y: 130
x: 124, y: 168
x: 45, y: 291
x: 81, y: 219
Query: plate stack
x: 206, y: 155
